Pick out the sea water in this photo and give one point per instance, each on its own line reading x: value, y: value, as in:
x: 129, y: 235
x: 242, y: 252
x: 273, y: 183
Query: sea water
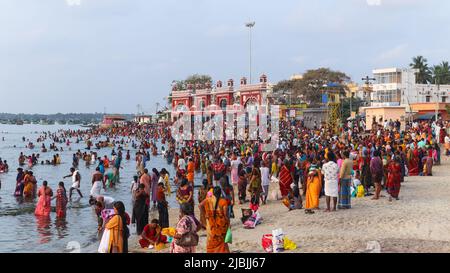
x: 21, y: 230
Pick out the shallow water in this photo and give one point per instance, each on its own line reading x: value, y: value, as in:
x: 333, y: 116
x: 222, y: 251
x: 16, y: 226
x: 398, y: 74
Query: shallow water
x: 21, y: 230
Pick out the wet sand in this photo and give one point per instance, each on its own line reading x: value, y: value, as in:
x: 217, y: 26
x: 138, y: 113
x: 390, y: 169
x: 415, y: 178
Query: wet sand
x: 418, y: 223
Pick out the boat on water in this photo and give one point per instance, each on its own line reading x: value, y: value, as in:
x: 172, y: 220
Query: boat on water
x: 19, y: 122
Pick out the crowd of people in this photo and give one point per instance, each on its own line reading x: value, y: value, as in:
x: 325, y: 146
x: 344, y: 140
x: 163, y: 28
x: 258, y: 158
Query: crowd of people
x: 307, y: 164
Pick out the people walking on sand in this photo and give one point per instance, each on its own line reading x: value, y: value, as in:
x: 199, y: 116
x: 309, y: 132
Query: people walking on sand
x: 394, y: 178
x: 376, y: 169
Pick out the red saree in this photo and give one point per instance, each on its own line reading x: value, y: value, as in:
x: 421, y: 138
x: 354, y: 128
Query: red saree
x: 285, y: 181
x: 394, y: 179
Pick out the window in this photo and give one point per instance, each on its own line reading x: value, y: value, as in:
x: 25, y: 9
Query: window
x: 428, y: 99
x: 444, y: 99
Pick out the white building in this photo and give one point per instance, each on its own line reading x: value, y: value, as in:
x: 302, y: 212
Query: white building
x: 394, y: 87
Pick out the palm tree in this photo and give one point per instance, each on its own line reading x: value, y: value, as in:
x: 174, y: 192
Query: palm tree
x: 424, y: 75
x: 441, y: 73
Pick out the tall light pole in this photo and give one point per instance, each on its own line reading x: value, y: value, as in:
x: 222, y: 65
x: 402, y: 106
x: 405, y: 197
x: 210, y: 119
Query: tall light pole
x: 437, y: 98
x: 250, y: 25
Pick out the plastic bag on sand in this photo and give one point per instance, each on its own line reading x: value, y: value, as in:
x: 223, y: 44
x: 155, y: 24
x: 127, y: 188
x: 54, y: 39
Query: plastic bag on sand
x: 104, y: 243
x: 288, y: 244
x: 360, y: 192
x: 277, y: 240
x: 266, y: 243
x: 229, y: 237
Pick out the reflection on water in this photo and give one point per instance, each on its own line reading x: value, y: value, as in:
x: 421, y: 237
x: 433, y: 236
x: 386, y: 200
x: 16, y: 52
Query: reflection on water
x: 44, y: 228
x: 61, y: 227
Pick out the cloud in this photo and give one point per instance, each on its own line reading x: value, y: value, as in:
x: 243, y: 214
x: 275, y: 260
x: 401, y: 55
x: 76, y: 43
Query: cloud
x: 73, y: 2
x: 393, y: 53
x: 373, y: 2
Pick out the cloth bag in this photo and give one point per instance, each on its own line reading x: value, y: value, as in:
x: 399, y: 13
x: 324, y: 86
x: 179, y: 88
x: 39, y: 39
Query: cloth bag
x: 104, y: 243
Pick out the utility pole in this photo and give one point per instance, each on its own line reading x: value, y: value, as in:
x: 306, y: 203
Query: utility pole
x: 368, y: 81
x: 437, y: 98
x: 250, y: 25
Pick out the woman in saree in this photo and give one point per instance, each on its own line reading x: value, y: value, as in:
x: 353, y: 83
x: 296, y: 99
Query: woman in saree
x: 255, y: 187
x: 61, y: 201
x: 190, y: 172
x: 165, y: 179
x: 186, y: 224
x: 119, y: 233
x: 285, y: 179
x: 412, y: 157
x: 185, y: 193
x: 162, y: 205
x: 394, y: 178
x: 313, y: 188
x: 45, y: 194
x: 140, y: 209
x: 216, y: 209
x: 242, y: 184
x: 154, y: 188
x: 28, y: 185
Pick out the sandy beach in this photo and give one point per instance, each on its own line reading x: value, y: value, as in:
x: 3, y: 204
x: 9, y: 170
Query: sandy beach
x: 418, y: 223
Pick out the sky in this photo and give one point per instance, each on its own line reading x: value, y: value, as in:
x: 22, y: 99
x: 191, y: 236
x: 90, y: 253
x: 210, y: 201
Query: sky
x: 95, y: 55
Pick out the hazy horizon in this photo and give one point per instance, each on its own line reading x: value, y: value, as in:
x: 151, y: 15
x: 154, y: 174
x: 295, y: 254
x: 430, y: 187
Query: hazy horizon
x: 88, y: 55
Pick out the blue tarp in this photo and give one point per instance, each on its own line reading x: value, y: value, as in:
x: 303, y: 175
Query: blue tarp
x: 426, y: 117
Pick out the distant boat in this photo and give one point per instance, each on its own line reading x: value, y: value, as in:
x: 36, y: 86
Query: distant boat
x: 19, y: 122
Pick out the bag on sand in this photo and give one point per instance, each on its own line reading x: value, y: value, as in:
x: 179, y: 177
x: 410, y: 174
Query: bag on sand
x: 288, y: 244
x: 104, y: 243
x: 277, y: 240
x: 360, y: 192
x: 266, y: 243
x: 229, y: 237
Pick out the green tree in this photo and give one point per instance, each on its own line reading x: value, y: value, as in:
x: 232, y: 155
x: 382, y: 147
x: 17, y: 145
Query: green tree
x: 356, y: 104
x: 441, y: 73
x: 194, y: 80
x: 311, y: 85
x: 424, y: 75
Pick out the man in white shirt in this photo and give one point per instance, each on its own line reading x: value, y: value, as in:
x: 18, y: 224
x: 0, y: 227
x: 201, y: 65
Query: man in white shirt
x: 265, y: 181
x: 181, y: 164
x: 76, y: 180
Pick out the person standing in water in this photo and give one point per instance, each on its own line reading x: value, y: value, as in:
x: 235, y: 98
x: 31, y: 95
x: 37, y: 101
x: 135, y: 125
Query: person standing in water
x: 43, y: 207
x: 76, y: 181
x: 61, y: 201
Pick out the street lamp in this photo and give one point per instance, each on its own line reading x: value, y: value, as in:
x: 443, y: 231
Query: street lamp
x: 250, y: 25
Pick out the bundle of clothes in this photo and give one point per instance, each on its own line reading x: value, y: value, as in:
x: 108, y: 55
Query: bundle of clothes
x: 251, y: 217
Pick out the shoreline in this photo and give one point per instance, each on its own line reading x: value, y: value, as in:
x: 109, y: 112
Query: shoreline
x: 417, y: 223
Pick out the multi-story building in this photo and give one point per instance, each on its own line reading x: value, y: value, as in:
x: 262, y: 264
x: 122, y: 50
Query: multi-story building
x: 395, y: 87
